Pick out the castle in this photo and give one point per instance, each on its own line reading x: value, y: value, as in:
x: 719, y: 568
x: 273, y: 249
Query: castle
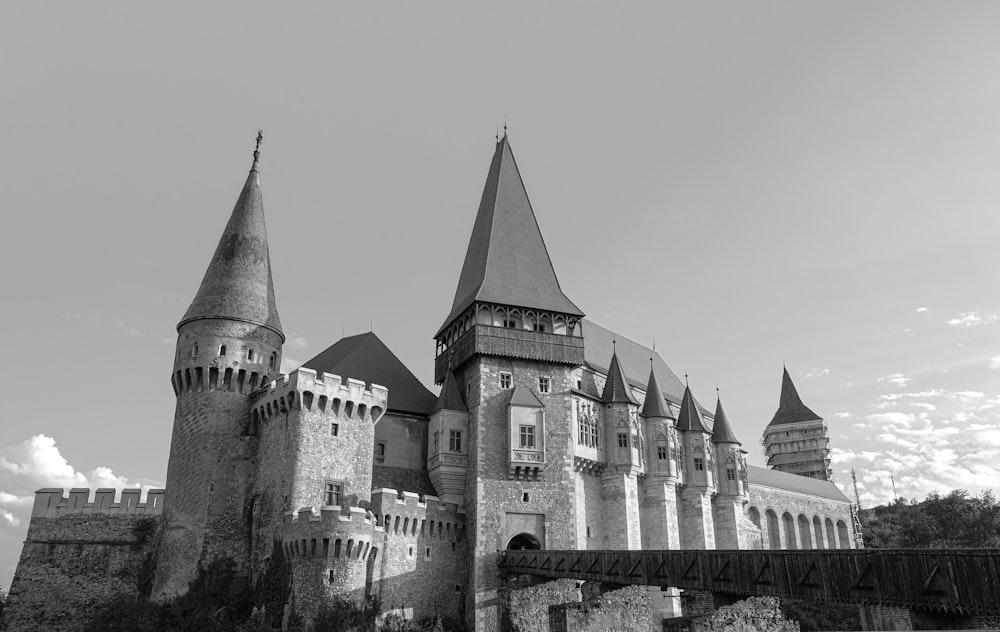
x: 549, y: 431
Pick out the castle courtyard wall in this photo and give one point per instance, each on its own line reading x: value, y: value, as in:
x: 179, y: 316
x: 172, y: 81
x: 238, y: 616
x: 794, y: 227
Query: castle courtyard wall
x: 799, y: 504
x: 77, y: 556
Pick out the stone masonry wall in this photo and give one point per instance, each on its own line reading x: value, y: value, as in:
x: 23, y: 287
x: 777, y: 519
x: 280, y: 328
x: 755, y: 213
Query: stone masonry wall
x: 796, y: 504
x: 72, y: 562
x: 420, y: 567
x: 492, y: 496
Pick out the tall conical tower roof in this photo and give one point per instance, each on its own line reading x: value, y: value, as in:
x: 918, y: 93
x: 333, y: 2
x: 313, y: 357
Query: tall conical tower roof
x: 616, y: 388
x: 237, y: 284
x: 790, y: 407
x: 507, y: 261
x: 655, y: 405
x: 689, y: 418
x: 722, y: 431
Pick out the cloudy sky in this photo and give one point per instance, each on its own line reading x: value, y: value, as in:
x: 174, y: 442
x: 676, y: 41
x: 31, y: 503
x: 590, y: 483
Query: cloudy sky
x: 812, y: 184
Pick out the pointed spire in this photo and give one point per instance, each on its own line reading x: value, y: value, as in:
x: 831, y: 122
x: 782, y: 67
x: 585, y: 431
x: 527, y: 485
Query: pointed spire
x: 689, y: 417
x: 616, y: 388
x: 655, y: 405
x: 722, y: 431
x: 506, y: 261
x: 238, y: 284
x: 451, y: 396
x: 790, y: 407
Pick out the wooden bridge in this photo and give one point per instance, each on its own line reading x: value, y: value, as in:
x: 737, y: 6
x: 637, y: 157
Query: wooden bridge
x: 961, y: 581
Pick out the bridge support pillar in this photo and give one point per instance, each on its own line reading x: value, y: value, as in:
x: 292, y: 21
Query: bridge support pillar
x: 885, y: 618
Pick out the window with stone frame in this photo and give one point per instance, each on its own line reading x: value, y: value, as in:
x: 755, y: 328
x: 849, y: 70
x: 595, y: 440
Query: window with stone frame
x: 730, y: 473
x: 699, y: 463
x: 379, y: 453
x: 333, y: 492
x: 661, y: 453
x: 455, y: 440
x: 527, y: 434
x: 622, y: 440
x: 544, y: 385
x: 506, y: 379
x: 588, y: 433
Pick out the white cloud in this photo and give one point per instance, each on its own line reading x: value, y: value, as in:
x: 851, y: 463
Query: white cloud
x: 995, y: 362
x: 842, y: 414
x: 973, y: 319
x: 817, y: 372
x: 28, y: 466
x: 920, y: 310
x: 288, y: 365
x: 896, y: 379
x: 296, y: 342
x: 131, y: 332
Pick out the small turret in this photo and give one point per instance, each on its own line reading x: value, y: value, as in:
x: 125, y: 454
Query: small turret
x: 698, y: 459
x: 448, y: 436
x: 731, y: 465
x: 624, y: 435
x: 660, y: 528
x: 661, y: 430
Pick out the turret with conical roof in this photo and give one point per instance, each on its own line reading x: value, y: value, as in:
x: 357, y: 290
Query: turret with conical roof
x: 733, y: 528
x: 796, y: 439
x: 228, y: 345
x: 660, y: 527
x: 447, y: 439
x: 508, y: 282
x: 616, y: 388
x: 698, y: 464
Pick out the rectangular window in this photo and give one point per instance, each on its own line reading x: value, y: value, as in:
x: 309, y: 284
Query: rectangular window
x: 455, y: 440
x: 540, y: 327
x: 505, y: 380
x: 527, y: 436
x: 543, y: 385
x: 510, y: 323
x: 333, y: 493
x: 730, y: 474
x: 379, y: 453
x: 334, y: 430
x: 622, y: 440
x: 661, y: 452
x: 437, y: 442
x: 699, y: 464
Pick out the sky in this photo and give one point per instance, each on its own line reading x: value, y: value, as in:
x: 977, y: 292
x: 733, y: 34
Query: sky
x: 749, y: 184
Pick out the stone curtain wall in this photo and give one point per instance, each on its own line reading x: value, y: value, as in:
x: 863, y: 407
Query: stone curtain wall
x: 420, y: 569
x: 797, y: 504
x: 74, y: 561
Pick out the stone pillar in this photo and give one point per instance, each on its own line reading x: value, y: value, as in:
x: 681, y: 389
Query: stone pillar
x: 664, y: 603
x: 728, y: 520
x: 658, y: 512
x: 620, y: 496
x: 885, y: 618
x: 697, y: 530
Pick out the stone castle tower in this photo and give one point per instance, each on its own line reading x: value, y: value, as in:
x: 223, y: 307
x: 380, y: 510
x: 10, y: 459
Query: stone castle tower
x: 796, y: 439
x: 228, y: 344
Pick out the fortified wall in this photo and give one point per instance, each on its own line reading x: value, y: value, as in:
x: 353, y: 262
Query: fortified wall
x: 79, y: 552
x: 406, y: 551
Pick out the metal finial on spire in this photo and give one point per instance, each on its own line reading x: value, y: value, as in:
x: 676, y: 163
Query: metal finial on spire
x: 504, y: 124
x: 498, y: 133
x: 614, y: 346
x: 685, y: 378
x: 256, y: 150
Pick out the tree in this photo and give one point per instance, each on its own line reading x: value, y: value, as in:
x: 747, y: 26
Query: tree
x: 956, y: 520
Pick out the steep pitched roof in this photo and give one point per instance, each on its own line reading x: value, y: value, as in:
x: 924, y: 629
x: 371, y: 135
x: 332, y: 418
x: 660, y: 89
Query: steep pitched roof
x: 600, y: 343
x: 365, y: 357
x: 689, y: 418
x: 761, y: 476
x: 654, y: 406
x: 450, y: 397
x: 616, y: 388
x: 237, y: 284
x: 722, y: 432
x: 524, y: 397
x: 507, y: 261
x: 790, y: 406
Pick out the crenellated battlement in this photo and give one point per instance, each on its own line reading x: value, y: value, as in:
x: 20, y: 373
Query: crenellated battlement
x: 324, y: 392
x: 51, y: 503
x: 406, y: 514
x: 330, y: 532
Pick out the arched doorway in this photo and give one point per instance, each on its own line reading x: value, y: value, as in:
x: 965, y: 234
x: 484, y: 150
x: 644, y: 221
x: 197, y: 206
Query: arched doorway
x: 523, y: 541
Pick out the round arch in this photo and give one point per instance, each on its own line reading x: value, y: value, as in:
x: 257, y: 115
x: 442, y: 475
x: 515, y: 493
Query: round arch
x: 523, y: 541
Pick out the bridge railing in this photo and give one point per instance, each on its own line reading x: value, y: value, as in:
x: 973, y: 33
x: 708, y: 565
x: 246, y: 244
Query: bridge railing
x: 946, y: 580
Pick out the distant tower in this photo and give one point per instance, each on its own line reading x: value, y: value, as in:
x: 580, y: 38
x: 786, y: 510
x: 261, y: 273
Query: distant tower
x: 228, y: 345
x: 796, y: 440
